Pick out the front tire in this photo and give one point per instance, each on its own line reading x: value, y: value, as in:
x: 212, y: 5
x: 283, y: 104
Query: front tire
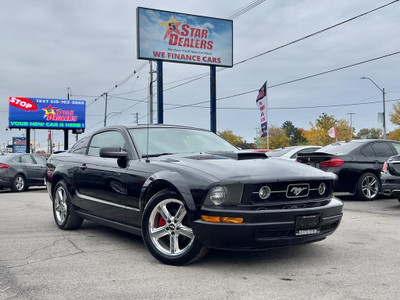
x: 368, y: 187
x: 63, y: 210
x: 19, y: 183
x: 166, y: 230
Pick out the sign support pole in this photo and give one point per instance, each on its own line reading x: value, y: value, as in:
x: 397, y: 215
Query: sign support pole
x: 213, y: 100
x: 65, y: 139
x: 28, y: 140
x: 160, y: 94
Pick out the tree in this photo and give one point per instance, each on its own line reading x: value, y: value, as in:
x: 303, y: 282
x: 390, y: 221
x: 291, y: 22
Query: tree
x: 394, y: 135
x: 277, y: 139
x: 369, y: 133
x: 395, y: 119
x: 318, y: 134
x: 395, y: 115
x: 294, y: 134
x: 234, y: 139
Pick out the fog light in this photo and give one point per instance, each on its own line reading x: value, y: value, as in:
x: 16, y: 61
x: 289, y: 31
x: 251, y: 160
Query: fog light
x: 218, y: 195
x: 322, y: 189
x: 264, y: 192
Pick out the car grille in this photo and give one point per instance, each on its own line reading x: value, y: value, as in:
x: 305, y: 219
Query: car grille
x: 288, y: 195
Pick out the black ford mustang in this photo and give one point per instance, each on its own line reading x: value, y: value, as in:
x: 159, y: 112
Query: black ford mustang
x: 186, y: 190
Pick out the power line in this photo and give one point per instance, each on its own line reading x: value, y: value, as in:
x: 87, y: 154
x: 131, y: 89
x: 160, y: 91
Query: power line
x: 122, y: 81
x: 288, y: 44
x: 316, y: 33
x: 245, y: 9
x: 337, y: 69
x: 309, y: 107
x: 291, y: 81
x: 121, y: 112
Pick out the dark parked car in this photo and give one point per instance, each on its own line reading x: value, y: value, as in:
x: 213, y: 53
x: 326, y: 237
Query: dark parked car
x: 390, y: 177
x: 22, y: 170
x: 357, y: 163
x: 185, y: 190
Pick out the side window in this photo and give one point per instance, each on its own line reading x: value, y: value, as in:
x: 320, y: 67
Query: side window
x: 397, y: 147
x: 40, y: 160
x: 105, y: 139
x: 382, y: 149
x: 80, y: 146
x: 27, y: 159
x: 368, y: 151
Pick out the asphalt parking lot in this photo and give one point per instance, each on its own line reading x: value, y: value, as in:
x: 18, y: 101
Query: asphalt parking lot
x: 38, y: 261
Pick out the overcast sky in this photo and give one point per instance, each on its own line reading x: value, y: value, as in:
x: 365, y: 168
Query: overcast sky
x: 50, y: 45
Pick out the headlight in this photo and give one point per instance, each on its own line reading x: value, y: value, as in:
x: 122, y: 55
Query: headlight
x: 218, y: 195
x: 224, y: 195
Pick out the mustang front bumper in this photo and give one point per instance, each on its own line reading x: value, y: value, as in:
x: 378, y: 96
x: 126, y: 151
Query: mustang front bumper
x: 262, y: 229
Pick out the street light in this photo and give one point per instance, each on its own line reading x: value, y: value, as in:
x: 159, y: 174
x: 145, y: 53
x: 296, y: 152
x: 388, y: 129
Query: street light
x: 384, y: 109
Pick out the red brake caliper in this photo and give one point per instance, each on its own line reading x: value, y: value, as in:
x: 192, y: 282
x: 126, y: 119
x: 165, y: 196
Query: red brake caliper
x: 161, y: 221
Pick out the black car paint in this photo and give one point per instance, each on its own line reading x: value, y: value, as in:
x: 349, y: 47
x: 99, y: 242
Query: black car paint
x: 355, y: 163
x: 115, y: 193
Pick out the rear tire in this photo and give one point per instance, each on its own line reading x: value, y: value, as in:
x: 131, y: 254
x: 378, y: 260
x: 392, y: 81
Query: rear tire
x: 166, y: 230
x: 63, y: 210
x: 19, y: 183
x: 368, y: 187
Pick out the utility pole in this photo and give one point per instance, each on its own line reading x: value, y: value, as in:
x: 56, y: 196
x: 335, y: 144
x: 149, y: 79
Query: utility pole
x: 105, y: 110
x: 68, y: 95
x: 351, y: 124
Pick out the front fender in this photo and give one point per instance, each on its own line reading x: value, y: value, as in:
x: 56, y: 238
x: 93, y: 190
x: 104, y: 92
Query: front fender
x: 166, y: 179
x: 60, y: 172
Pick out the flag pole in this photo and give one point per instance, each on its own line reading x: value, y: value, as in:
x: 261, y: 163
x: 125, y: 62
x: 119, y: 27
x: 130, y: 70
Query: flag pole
x: 266, y: 95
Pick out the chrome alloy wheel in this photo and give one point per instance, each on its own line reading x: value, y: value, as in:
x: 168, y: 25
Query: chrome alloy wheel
x: 370, y: 186
x: 167, y: 230
x: 60, y: 205
x: 19, y: 183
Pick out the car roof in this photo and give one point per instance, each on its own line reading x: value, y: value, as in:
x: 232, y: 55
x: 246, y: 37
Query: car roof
x: 145, y: 126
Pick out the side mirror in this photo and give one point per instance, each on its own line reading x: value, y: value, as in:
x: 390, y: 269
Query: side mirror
x: 113, y: 152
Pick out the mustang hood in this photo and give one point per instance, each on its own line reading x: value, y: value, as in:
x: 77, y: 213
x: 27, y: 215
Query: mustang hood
x: 228, y: 168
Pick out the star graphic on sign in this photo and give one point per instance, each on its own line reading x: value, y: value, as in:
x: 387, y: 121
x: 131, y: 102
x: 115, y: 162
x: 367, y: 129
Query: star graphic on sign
x: 49, y: 111
x: 172, y: 26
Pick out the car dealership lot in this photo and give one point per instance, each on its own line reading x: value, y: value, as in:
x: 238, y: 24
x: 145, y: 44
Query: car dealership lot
x: 39, y: 261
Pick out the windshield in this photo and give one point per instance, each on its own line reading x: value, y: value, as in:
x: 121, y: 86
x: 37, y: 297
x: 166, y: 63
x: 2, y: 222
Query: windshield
x: 339, y: 148
x: 177, y: 140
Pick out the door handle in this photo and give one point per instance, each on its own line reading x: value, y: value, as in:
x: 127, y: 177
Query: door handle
x: 83, y: 167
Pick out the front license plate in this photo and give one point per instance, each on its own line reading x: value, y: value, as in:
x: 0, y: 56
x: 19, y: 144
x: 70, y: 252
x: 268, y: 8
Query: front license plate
x: 308, y: 224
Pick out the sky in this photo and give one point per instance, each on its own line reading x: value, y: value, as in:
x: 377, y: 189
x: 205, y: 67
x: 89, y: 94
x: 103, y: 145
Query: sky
x: 50, y: 47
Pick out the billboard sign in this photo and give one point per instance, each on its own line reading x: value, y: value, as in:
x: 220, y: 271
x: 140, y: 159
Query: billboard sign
x: 46, y: 113
x: 19, y: 144
x: 183, y: 38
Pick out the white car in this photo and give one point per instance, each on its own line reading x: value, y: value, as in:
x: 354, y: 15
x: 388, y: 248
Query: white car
x: 292, y: 151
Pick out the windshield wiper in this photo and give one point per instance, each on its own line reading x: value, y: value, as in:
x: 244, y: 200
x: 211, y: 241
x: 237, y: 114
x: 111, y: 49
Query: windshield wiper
x: 156, y: 155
